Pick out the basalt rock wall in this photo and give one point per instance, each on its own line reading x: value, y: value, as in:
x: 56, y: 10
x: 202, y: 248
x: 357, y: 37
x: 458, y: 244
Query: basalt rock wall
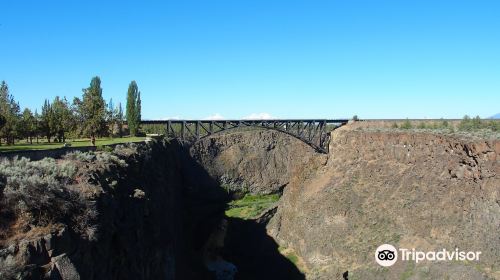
x: 148, y: 220
x: 411, y: 190
x: 255, y: 161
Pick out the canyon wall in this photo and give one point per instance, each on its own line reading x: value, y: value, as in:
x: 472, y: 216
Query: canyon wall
x: 133, y: 214
x: 146, y: 211
x: 411, y: 190
x: 255, y: 161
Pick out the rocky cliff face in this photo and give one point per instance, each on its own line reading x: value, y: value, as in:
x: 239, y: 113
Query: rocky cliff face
x: 145, y: 221
x: 147, y: 212
x: 255, y: 161
x: 411, y: 190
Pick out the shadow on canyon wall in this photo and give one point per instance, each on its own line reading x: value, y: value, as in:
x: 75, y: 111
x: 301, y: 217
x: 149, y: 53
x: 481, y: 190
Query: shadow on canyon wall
x: 255, y: 253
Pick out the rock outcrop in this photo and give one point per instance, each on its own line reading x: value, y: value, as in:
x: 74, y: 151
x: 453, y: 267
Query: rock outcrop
x: 411, y: 190
x: 255, y: 161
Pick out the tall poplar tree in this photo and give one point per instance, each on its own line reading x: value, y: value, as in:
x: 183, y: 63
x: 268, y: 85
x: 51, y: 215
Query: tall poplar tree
x: 119, y: 119
x: 133, y: 108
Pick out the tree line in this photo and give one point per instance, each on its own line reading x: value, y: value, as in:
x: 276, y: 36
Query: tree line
x: 466, y: 124
x: 89, y: 116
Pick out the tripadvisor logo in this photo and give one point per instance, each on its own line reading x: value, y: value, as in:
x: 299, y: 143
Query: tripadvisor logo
x: 387, y: 255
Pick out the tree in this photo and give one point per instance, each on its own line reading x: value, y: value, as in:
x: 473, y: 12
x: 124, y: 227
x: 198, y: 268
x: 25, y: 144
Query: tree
x: 119, y: 119
x: 444, y: 124
x: 2, y: 121
x: 77, y: 112
x: 138, y: 109
x: 36, y: 124
x: 62, y: 118
x: 111, y: 117
x: 465, y: 123
x: 477, y: 123
x: 133, y: 108
x: 4, y: 107
x: 28, y: 125
x: 10, y: 111
x: 93, y: 109
x: 47, y: 120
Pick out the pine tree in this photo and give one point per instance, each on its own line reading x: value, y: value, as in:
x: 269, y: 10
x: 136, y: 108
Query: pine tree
x: 46, y: 120
x: 4, y: 108
x: 36, y: 125
x: 93, y: 109
x: 133, y: 108
x: 28, y: 125
x: 62, y: 118
x: 77, y: 113
x: 10, y: 111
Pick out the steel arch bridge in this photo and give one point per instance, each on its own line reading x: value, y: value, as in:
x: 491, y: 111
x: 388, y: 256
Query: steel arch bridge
x: 314, y: 132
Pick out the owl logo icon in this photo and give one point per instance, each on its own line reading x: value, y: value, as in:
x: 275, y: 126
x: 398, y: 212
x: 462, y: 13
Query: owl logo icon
x: 386, y: 255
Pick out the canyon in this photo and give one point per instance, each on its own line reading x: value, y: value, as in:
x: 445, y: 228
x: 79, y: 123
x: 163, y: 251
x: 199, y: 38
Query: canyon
x: 157, y: 210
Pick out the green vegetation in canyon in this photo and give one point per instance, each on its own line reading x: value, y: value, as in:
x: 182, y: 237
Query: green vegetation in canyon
x: 251, y: 206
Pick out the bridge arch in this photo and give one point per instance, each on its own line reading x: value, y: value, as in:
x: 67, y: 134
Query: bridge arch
x: 315, y: 133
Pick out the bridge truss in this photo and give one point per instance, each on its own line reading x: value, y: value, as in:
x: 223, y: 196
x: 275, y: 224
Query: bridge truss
x: 315, y: 133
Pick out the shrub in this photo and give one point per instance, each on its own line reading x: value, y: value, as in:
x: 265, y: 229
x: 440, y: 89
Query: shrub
x: 476, y: 123
x: 126, y: 150
x: 493, y: 125
x: 107, y: 159
x: 465, y: 123
x: 79, y: 156
x: 105, y: 149
x: 37, y: 192
x: 406, y: 124
x: 99, y: 158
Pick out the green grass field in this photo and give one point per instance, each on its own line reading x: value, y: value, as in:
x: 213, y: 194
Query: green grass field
x: 23, y: 146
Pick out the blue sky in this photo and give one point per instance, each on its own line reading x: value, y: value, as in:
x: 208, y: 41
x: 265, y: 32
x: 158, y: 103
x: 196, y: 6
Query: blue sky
x: 304, y: 59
